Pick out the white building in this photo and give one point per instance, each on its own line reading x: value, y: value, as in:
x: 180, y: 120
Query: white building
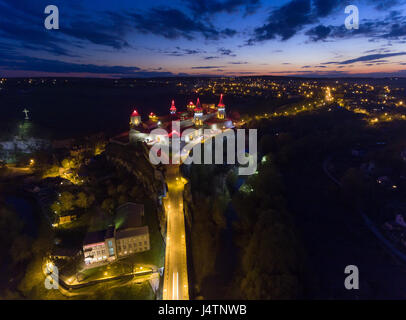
x: 128, y: 236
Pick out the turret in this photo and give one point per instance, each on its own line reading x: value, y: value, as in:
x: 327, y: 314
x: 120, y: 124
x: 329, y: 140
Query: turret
x: 135, y: 119
x: 221, y: 108
x: 173, y: 108
x: 191, y: 106
x: 152, y: 116
x: 198, y: 114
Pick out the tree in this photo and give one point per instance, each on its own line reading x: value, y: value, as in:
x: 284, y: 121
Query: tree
x: 111, y: 190
x: 66, y: 163
x: 122, y: 199
x: 90, y: 200
x: 354, y: 187
x: 67, y: 201
x: 266, y: 144
x: 82, y: 200
x: 56, y: 208
x: 18, y: 251
x: 135, y: 191
x: 108, y: 205
x: 122, y: 188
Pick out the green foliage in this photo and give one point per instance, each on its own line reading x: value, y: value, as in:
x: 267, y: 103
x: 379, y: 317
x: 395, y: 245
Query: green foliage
x: 20, y: 249
x: 270, y: 269
x: 12, y: 227
x: 111, y: 190
x: 56, y: 208
x: 108, y: 205
x: 66, y: 163
x: 67, y: 201
x: 84, y: 201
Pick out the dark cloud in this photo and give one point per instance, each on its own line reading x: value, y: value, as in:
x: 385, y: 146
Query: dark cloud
x: 173, y: 23
x: 372, y: 57
x: 211, y: 58
x: 24, y: 63
x: 397, y: 30
x: 108, y: 30
x: 323, y: 8
x: 392, y: 27
x: 209, y: 7
x: 379, y: 50
x: 289, y: 19
x: 384, y: 4
x: 238, y: 62
x: 23, y: 22
x: 208, y: 67
x: 56, y: 66
x: 285, y: 21
x: 180, y: 52
x: 318, y: 33
x: 24, y: 27
x: 226, y: 52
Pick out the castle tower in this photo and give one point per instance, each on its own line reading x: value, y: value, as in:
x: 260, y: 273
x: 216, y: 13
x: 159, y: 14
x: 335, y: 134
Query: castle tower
x: 198, y: 114
x: 221, y: 108
x: 135, y: 119
x: 191, y: 107
x: 173, y: 108
x: 152, y: 117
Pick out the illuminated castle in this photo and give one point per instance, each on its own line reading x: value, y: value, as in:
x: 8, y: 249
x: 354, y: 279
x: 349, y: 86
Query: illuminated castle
x: 221, y: 109
x: 135, y: 119
x: 196, y: 116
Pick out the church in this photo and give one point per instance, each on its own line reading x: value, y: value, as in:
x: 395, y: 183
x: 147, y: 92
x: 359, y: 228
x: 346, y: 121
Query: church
x: 196, y: 116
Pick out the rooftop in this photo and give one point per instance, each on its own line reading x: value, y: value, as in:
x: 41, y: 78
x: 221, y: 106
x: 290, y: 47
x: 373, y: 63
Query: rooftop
x: 129, y: 215
x: 94, y: 237
x: 132, y: 232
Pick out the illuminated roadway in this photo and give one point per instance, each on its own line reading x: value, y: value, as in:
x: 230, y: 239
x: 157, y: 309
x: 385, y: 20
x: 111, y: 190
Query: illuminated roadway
x: 176, y: 285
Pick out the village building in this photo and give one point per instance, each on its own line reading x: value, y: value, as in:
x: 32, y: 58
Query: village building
x: 129, y: 235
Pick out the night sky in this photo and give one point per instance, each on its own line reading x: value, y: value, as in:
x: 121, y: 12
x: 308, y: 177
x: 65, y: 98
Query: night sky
x: 131, y: 38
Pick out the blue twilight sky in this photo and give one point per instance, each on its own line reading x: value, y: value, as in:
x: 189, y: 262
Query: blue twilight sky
x: 132, y: 38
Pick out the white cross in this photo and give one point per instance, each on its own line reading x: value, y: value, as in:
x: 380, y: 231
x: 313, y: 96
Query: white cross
x: 26, y: 114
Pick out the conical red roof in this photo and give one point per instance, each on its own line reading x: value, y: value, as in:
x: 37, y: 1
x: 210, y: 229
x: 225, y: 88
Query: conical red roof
x: 173, y: 108
x: 135, y: 114
x: 221, y: 104
x: 198, y: 106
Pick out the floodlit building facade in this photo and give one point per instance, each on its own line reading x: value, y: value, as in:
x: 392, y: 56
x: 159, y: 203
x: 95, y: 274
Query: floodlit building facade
x: 128, y: 236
